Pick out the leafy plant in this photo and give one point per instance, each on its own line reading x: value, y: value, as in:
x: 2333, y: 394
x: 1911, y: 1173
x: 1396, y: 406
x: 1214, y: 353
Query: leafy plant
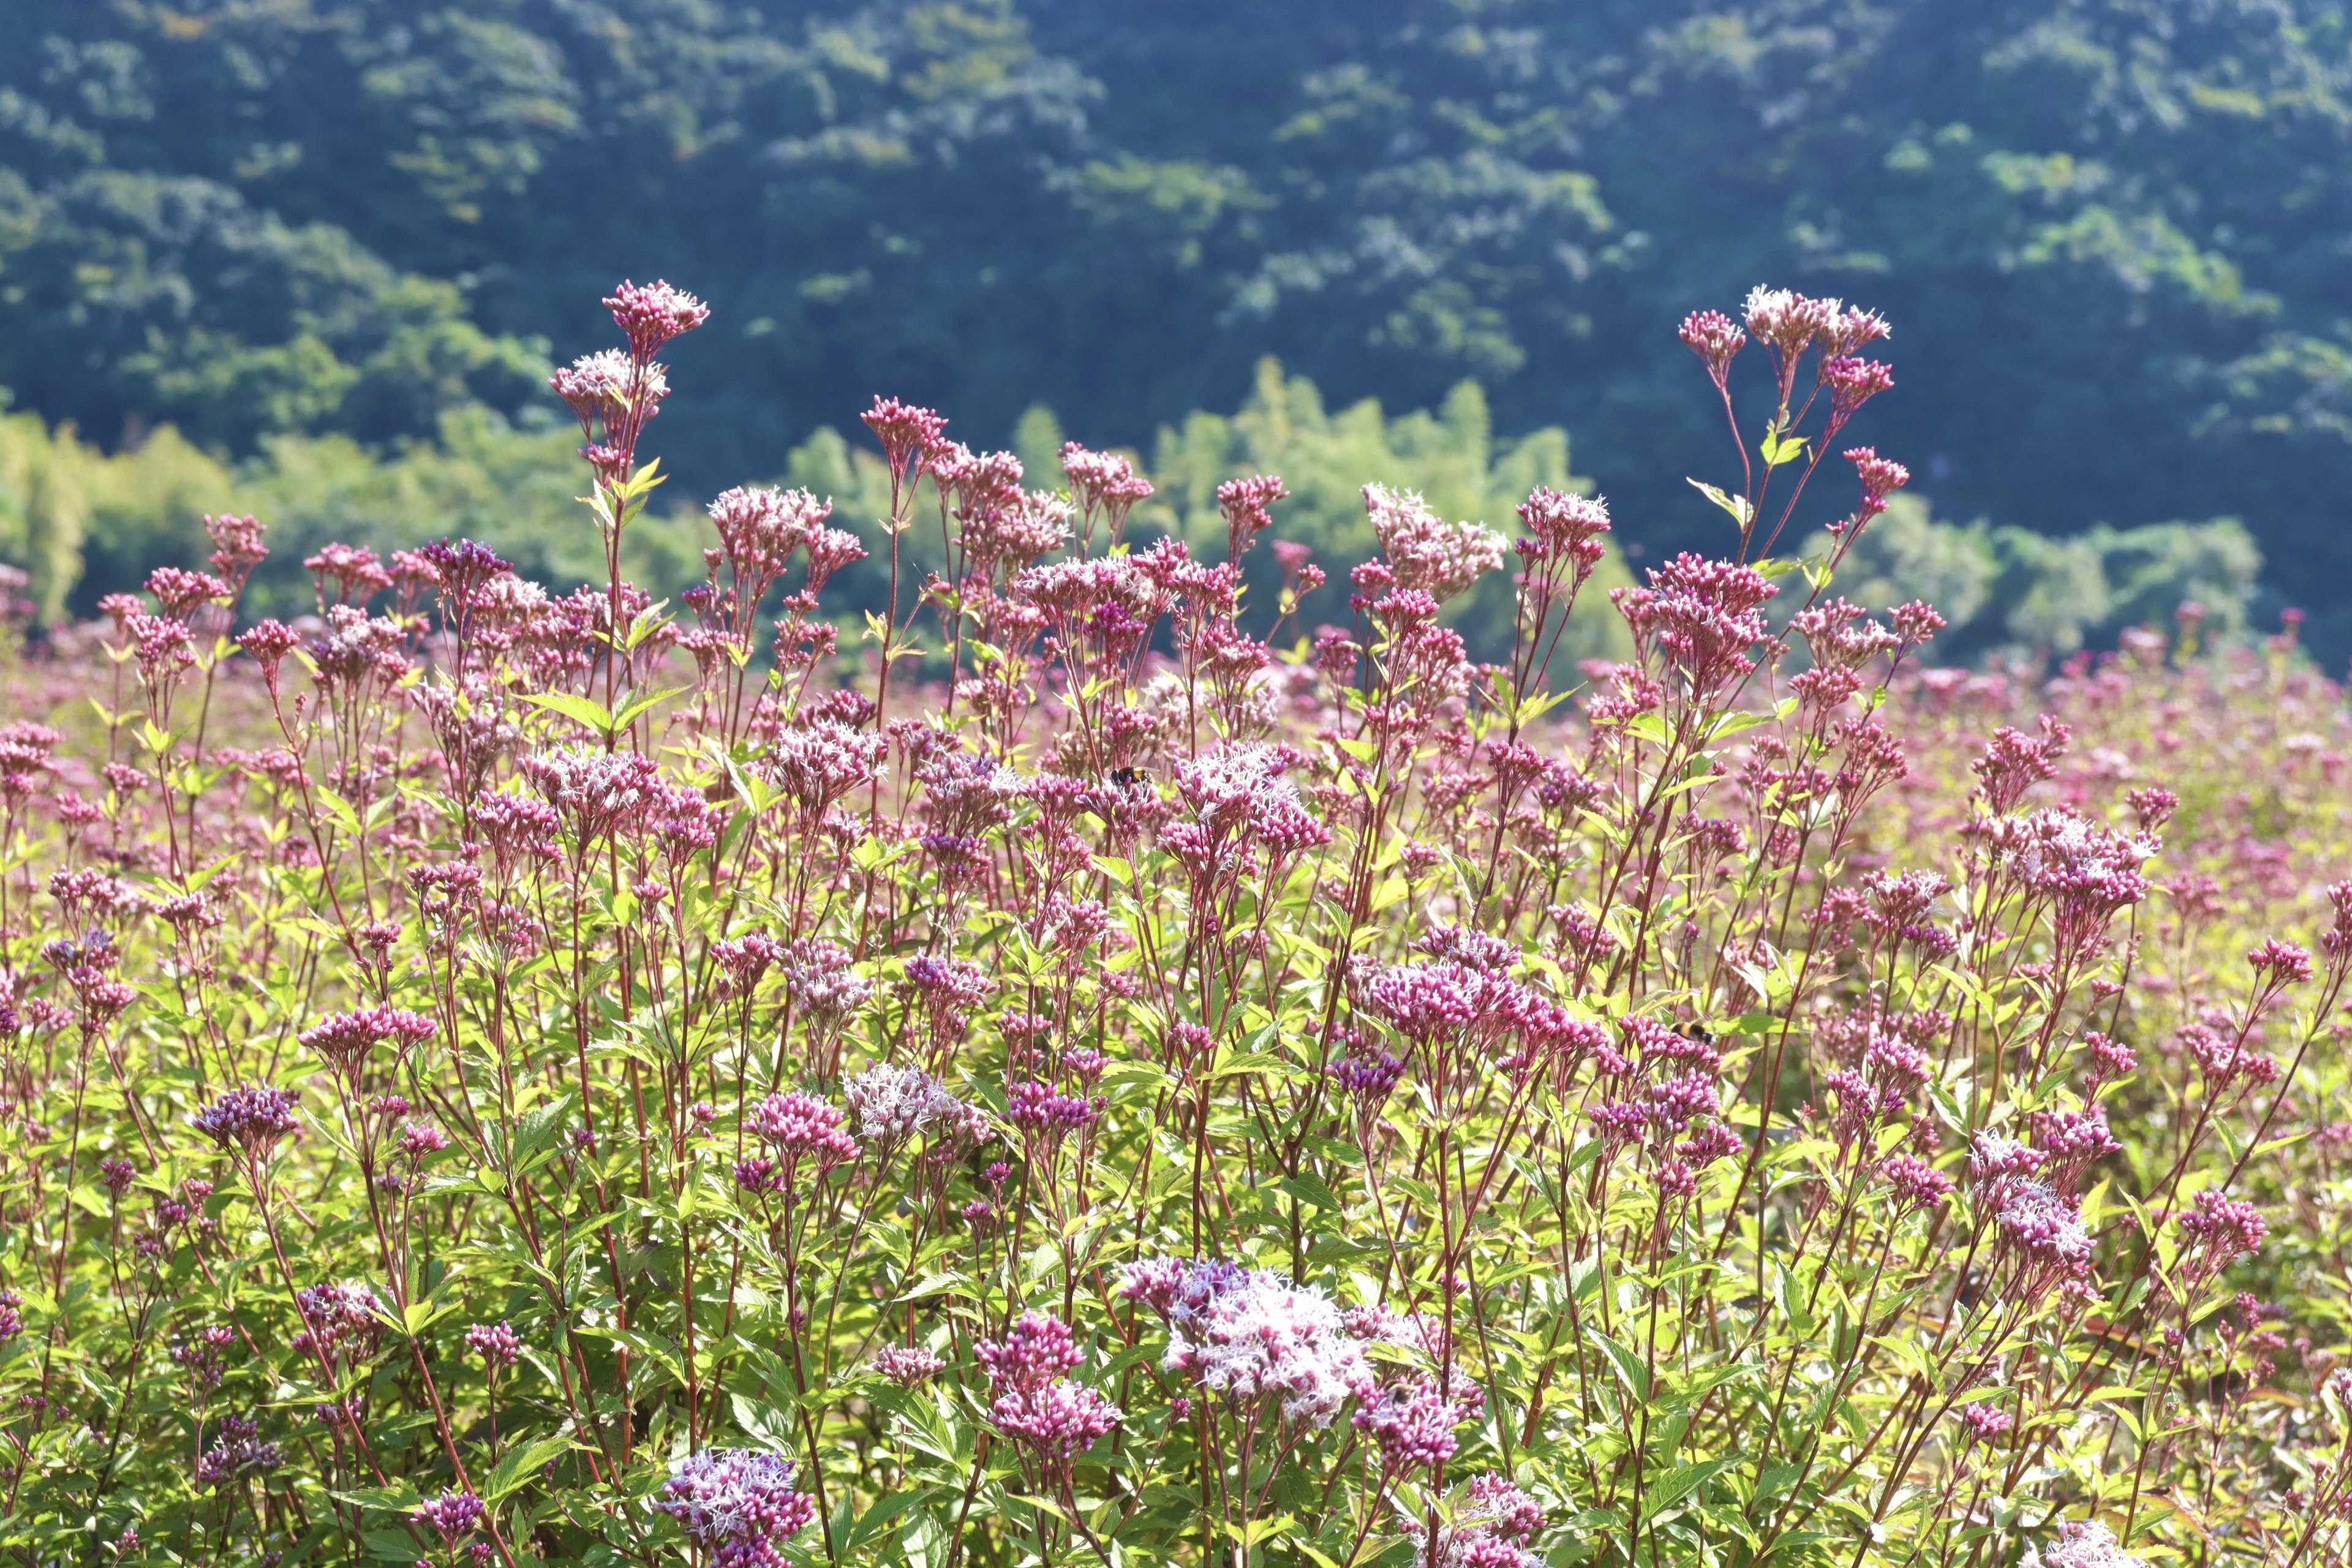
x: 502, y: 1076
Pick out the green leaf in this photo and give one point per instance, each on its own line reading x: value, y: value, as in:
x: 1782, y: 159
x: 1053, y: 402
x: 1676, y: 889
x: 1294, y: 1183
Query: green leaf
x: 521, y: 1464
x: 1309, y: 1190
x: 571, y: 705
x: 1677, y: 1484
x: 1741, y: 513
x: 764, y: 1424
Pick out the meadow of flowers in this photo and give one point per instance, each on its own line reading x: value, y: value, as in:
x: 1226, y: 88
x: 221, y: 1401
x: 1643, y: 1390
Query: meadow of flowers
x: 1097, y: 1071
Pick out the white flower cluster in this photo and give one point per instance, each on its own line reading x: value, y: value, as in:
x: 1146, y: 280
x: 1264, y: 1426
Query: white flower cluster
x: 1247, y: 1333
x: 899, y: 1101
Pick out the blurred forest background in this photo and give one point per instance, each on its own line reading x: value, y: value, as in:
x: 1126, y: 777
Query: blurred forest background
x: 312, y: 258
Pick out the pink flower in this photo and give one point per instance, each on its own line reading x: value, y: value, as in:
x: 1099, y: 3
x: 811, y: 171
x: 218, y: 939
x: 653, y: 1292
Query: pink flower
x: 907, y: 1366
x: 1254, y: 1334
x: 1715, y: 338
x: 736, y: 1502
x: 495, y: 1343
x: 1412, y: 1424
x: 252, y: 1120
x: 650, y: 314
x: 1426, y: 551
x: 1983, y: 1422
x: 803, y: 1127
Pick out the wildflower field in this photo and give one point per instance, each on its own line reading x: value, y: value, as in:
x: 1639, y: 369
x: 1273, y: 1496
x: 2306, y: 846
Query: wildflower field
x: 1099, y: 1071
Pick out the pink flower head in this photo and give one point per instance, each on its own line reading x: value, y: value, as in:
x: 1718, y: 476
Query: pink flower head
x: 1104, y: 481
x: 1426, y: 551
x: 1054, y: 1423
x: 1414, y: 1426
x: 1715, y: 338
x: 344, y: 1040
x: 420, y: 1140
x: 1881, y: 477
x: 1983, y: 1422
x: 1705, y: 615
x: 269, y: 642
x: 240, y: 542
x: 1915, y: 1184
x: 1257, y: 1335
x: 1853, y: 380
x: 2278, y: 963
x: 1046, y: 1113
x: 736, y: 1502
x: 1563, y: 527
x: 650, y: 314
x: 453, y: 1516
x: 802, y: 1126
x: 181, y: 594
x: 907, y: 1366
x: 251, y: 1121
x: 1245, y: 503
x: 2081, y: 1543
x: 1789, y: 321
x: 1492, y: 1528
x: 2218, y: 1232
x: 495, y: 1343
x: 911, y: 435
x: 1037, y: 1350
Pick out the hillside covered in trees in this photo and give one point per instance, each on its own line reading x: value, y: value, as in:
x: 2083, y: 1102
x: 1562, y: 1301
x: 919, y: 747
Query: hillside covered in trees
x: 334, y: 243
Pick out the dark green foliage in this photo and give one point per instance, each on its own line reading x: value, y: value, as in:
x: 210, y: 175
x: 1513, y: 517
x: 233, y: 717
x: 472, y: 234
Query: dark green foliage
x: 2110, y: 234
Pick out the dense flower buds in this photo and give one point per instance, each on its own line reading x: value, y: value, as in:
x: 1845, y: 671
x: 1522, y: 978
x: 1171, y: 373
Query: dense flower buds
x: 495, y: 1343
x: 736, y: 1503
x: 251, y: 1121
x: 803, y: 1127
x: 1715, y: 338
x: 650, y: 314
x: 1052, y: 1419
x: 344, y: 1040
x: 2081, y: 1543
x: 1245, y: 503
x: 911, y: 436
x: 1426, y: 553
x: 1881, y: 477
x: 1251, y: 1334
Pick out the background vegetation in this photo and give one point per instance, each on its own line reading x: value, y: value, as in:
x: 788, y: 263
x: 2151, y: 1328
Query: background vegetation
x: 333, y: 243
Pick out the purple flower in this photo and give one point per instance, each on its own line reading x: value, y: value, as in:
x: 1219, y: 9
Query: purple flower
x: 2219, y: 1231
x: 737, y: 1502
x: 235, y: 1450
x: 453, y: 1516
x: 495, y: 1343
x: 1055, y: 1422
x: 1983, y: 1422
x: 802, y: 1126
x: 2081, y: 1543
x: 2044, y: 1233
x: 1414, y: 1426
x: 421, y: 1138
x: 1047, y: 1113
x: 1252, y: 1334
x: 1915, y: 1184
x: 1490, y: 1528
x: 250, y: 1121
x: 1033, y: 1351
x: 344, y: 1039
x: 906, y: 1365
x: 341, y: 1323
x: 1368, y: 1073
x: 894, y: 1102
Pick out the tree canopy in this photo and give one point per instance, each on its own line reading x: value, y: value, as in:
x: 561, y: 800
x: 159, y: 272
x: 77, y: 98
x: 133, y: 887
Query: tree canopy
x: 2111, y: 233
